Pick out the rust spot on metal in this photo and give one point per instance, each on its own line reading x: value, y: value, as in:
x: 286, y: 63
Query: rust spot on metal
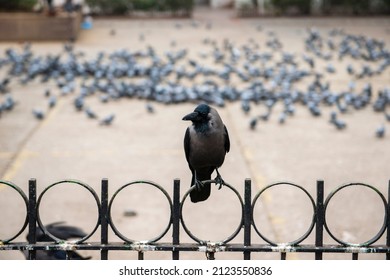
x: 283, y: 248
x: 212, y: 247
x: 142, y: 247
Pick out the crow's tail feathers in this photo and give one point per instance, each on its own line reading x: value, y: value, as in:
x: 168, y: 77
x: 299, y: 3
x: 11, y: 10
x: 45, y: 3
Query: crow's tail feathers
x: 201, y: 194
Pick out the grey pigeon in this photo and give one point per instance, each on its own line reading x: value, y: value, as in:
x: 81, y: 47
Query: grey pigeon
x: 107, y: 120
x: 380, y: 132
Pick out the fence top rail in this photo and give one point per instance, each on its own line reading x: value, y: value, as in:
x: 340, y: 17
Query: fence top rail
x: 161, y: 246
x: 246, y: 223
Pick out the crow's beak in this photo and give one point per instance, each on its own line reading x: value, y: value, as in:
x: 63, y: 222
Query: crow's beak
x: 191, y: 117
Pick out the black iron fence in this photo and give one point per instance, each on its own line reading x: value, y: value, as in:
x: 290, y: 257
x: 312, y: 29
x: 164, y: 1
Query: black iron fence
x: 247, y: 224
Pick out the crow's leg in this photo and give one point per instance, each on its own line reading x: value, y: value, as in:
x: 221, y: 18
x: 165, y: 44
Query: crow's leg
x: 218, y: 180
x: 198, y: 184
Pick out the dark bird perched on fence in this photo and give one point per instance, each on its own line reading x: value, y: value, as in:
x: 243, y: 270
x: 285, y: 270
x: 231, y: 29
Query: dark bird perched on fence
x: 60, y: 231
x: 206, y: 143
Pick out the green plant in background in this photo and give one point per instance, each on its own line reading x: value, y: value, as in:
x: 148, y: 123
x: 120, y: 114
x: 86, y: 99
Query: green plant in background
x: 175, y: 5
x: 124, y: 6
x: 187, y: 5
x: 17, y: 5
x: 146, y: 5
x: 354, y: 6
x: 117, y: 7
x: 386, y: 6
x: 283, y: 5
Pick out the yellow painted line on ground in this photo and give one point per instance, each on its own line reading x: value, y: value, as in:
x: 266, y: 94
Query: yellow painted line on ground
x: 17, y: 164
x: 259, y: 181
x: 52, y: 113
x: 22, y: 155
x: 277, y: 220
x: 5, y: 155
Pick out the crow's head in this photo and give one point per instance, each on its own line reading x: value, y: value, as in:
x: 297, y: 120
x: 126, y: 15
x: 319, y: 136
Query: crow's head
x: 200, y: 115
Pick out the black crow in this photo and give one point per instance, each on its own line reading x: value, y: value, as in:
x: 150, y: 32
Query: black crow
x: 60, y: 231
x: 206, y: 143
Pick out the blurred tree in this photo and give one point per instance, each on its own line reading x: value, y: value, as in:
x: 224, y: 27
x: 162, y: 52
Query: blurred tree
x: 118, y: 7
x: 146, y: 5
x: 347, y: 6
x: 123, y: 6
x: 283, y: 5
x: 17, y: 5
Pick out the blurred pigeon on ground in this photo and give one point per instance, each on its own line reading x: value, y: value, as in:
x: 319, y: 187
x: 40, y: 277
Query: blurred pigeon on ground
x: 91, y: 114
x: 38, y: 114
x: 149, y: 108
x: 52, y: 101
x: 380, y: 132
x: 107, y: 120
x: 253, y: 123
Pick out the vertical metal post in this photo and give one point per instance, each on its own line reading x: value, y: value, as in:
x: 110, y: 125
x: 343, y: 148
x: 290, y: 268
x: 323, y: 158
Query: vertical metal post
x: 140, y: 255
x: 283, y: 256
x: 176, y: 218
x: 320, y: 218
x: 104, y: 219
x: 388, y: 221
x: 210, y: 256
x: 247, y: 217
x: 355, y: 256
x: 32, y: 217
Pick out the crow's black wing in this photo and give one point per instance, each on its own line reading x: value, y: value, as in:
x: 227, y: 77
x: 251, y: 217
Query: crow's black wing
x: 227, y: 140
x: 65, y: 232
x: 187, y: 139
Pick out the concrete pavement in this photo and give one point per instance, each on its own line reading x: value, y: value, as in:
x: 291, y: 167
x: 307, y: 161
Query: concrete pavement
x: 143, y: 146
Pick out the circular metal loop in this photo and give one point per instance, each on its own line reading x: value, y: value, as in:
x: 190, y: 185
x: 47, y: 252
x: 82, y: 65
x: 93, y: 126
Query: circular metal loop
x: 88, y: 188
x: 305, y: 235
x: 373, y: 239
x: 229, y: 238
x: 128, y: 240
x: 25, y: 199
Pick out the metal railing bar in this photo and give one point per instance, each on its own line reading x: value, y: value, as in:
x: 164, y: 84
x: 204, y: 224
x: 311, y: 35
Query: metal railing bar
x: 247, y: 217
x: 209, y: 248
x: 388, y: 221
x: 320, y: 218
x: 32, y: 217
x: 176, y: 218
x: 234, y: 247
x: 104, y: 219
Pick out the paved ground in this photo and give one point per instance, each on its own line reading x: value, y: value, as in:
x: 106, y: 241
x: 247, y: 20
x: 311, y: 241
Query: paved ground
x: 147, y: 146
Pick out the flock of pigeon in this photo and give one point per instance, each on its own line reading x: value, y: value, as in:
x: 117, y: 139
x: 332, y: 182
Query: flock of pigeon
x: 223, y: 72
